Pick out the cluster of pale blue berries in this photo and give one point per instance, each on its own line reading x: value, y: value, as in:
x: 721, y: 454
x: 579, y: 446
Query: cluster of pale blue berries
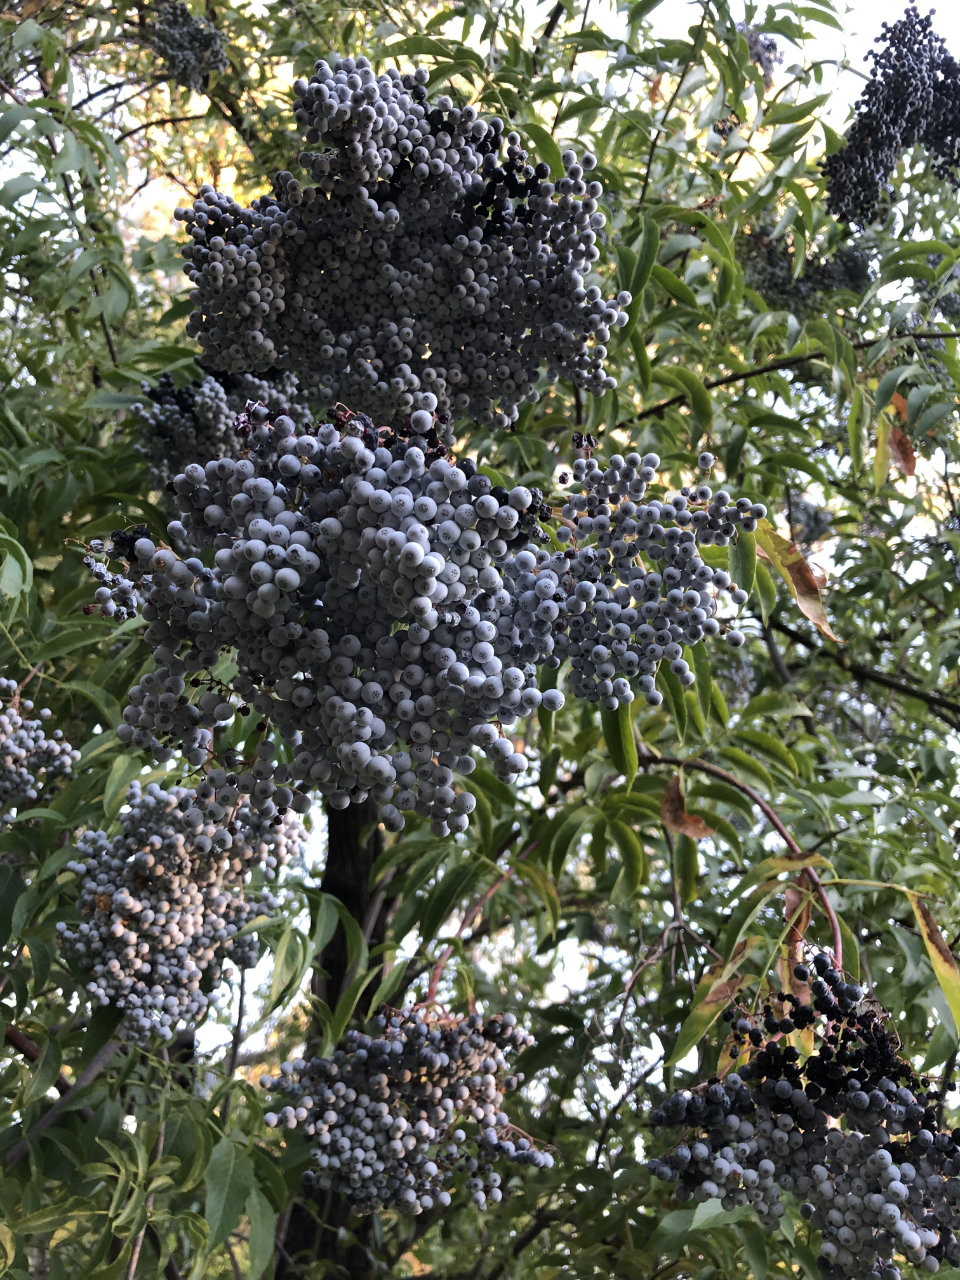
x: 162, y: 901
x: 383, y: 1114
x: 360, y: 585
x: 188, y: 49
x: 636, y: 590
x: 429, y: 268
x: 31, y: 757
x: 174, y: 425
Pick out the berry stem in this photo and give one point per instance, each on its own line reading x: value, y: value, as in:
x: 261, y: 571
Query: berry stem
x: 807, y: 873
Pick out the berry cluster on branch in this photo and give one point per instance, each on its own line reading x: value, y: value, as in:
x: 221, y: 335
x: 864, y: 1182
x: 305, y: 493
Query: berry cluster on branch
x: 387, y: 615
x: 763, y: 51
x: 383, y: 1114
x: 849, y: 1130
x: 161, y: 902
x: 913, y: 96
x: 175, y: 425
x: 31, y: 756
x: 187, y: 49
x: 430, y: 267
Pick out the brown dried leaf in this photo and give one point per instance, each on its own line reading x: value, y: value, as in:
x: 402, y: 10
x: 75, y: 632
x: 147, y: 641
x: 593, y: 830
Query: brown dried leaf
x: 674, y: 813
x: 790, y: 563
x: 901, y: 451
x: 899, y: 405
x: 655, y: 88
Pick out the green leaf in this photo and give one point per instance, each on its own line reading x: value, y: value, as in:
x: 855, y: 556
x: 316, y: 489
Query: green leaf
x: 686, y: 866
x: 700, y: 661
x: 263, y: 1226
x: 766, y: 591
x: 545, y: 147
x: 769, y: 746
x: 228, y: 1182
x: 122, y: 772
x: 743, y: 560
x: 881, y: 458
x: 675, y: 287
x: 670, y: 687
x: 44, y: 1072
x: 693, y: 389
x: 714, y: 992
x: 621, y: 743
x: 634, y: 872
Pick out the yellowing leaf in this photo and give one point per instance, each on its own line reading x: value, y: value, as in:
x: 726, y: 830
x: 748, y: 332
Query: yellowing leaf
x: 790, y: 563
x: 674, y: 813
x: 941, y: 957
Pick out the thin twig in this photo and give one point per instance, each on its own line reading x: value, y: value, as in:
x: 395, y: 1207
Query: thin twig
x: 790, y: 362
x: 694, y: 50
x: 806, y: 873
x: 471, y: 915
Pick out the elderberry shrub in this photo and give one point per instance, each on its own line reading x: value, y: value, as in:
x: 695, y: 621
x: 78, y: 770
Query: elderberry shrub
x: 175, y: 425
x: 425, y: 270
x: 187, y: 49
x: 162, y: 901
x: 850, y: 1131
x: 383, y: 1113
x: 31, y: 756
x: 913, y: 96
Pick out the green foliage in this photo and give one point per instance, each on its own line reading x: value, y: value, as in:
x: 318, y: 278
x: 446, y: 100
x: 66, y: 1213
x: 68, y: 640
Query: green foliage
x: 617, y: 900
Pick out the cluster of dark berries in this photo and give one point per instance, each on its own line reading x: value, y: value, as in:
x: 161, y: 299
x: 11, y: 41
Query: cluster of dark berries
x: 850, y: 1131
x: 359, y: 577
x: 763, y: 51
x: 913, y: 96
x: 31, y: 756
x: 161, y: 902
x: 188, y: 49
x: 634, y: 590
x: 431, y: 266
x: 175, y: 424
x: 387, y: 615
x: 383, y: 1114
x: 769, y: 267
x: 117, y: 596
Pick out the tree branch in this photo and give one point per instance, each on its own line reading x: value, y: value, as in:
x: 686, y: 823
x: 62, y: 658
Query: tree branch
x: 788, y: 362
x: 86, y: 1076
x: 948, y: 710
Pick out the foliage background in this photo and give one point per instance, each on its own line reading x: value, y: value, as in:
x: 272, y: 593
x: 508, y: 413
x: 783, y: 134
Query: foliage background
x: 602, y: 912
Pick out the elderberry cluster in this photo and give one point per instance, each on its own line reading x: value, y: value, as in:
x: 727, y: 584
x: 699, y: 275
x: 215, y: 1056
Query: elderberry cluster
x: 187, y: 49
x: 31, y: 757
x: 424, y: 270
x: 383, y: 1113
x: 913, y: 96
x: 850, y: 1130
x: 635, y: 590
x: 763, y: 51
x: 175, y: 424
x: 357, y: 575
x: 769, y: 268
x: 163, y: 900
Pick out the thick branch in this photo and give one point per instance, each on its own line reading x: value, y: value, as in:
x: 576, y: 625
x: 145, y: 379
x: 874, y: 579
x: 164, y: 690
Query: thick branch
x: 86, y: 1076
x: 948, y: 710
